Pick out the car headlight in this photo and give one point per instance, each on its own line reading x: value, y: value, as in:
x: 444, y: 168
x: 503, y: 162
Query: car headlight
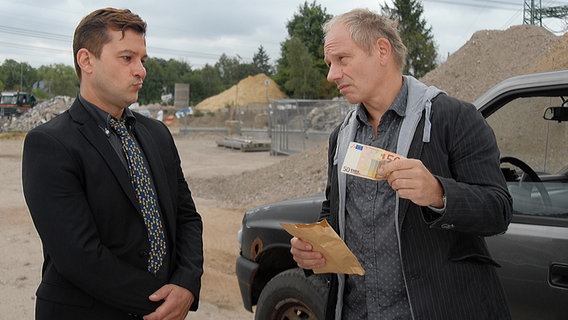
x: 240, y: 236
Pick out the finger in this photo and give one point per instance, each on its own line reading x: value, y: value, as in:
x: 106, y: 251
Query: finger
x: 310, y: 263
x: 306, y: 259
x: 300, y: 244
x: 390, y: 167
x: 160, y: 294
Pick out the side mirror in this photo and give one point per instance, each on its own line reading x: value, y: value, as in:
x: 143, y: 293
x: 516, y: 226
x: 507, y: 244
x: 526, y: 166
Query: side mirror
x: 556, y: 113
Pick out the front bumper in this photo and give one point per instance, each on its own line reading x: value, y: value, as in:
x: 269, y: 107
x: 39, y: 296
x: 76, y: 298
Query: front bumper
x: 246, y: 271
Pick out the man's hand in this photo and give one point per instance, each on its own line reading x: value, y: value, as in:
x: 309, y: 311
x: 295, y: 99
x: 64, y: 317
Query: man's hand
x: 413, y: 181
x: 177, y: 301
x: 304, y: 256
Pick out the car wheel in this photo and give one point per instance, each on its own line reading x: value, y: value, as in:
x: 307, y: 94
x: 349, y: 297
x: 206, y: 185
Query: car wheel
x: 292, y: 295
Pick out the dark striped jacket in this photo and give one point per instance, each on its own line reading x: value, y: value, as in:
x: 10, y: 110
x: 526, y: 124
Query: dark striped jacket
x: 448, y: 270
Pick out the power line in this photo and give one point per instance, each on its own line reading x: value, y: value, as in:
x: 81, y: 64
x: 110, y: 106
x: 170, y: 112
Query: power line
x: 33, y: 48
x: 34, y: 34
x: 480, y: 4
x: 20, y: 32
x: 534, y: 13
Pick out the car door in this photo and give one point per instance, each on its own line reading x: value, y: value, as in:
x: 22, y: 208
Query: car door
x: 533, y: 252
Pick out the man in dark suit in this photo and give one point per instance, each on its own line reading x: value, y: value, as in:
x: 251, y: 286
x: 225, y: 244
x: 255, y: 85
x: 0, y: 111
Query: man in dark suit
x: 419, y: 233
x: 104, y: 257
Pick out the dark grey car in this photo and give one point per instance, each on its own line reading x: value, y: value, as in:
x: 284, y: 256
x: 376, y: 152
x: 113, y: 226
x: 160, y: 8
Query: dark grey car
x: 529, y: 115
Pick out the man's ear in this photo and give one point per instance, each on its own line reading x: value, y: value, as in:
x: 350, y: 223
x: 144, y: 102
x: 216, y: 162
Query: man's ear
x: 383, y: 49
x: 85, y: 60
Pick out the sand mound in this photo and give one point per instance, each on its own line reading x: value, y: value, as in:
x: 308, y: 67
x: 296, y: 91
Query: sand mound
x: 489, y: 57
x: 557, y: 57
x: 251, y: 90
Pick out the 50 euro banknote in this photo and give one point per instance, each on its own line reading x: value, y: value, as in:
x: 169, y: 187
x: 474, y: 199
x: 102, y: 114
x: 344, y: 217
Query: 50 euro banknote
x: 364, y: 161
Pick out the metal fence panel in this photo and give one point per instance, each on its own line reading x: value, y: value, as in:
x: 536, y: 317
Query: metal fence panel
x: 296, y: 125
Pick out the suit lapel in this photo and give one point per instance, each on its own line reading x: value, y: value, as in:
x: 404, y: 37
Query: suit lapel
x: 414, y: 152
x: 88, y: 127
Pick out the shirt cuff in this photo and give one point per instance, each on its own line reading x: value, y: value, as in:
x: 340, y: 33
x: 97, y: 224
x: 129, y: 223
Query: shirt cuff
x: 442, y: 209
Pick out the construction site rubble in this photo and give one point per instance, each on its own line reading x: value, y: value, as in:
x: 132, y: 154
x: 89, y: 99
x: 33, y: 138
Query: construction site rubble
x: 41, y: 113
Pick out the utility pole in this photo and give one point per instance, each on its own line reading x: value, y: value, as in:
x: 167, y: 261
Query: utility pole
x: 533, y: 12
x: 21, y: 76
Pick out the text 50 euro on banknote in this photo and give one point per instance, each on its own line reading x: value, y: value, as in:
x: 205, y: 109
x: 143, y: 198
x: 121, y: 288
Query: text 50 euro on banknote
x: 364, y: 161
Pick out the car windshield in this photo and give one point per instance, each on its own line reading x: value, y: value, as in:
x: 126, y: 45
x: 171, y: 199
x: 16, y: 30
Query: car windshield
x: 534, y: 155
x: 12, y: 99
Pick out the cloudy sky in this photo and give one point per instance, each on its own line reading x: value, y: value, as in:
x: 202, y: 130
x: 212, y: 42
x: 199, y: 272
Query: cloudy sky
x: 198, y: 32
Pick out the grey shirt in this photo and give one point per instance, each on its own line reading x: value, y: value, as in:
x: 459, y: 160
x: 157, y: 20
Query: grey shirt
x: 370, y: 229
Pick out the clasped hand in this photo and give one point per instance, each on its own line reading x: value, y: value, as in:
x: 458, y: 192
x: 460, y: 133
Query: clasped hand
x: 177, y: 301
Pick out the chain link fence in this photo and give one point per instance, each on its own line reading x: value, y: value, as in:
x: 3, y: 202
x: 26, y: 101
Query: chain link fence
x: 291, y: 125
x: 296, y: 125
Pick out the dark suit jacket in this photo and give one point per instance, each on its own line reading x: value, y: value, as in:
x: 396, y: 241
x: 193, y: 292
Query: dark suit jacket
x: 86, y: 213
x: 448, y: 270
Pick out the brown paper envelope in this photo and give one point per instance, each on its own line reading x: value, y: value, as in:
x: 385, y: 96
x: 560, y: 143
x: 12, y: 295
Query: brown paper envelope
x: 339, y: 259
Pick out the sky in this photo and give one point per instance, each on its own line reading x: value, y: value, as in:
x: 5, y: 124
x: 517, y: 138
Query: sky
x: 199, y: 32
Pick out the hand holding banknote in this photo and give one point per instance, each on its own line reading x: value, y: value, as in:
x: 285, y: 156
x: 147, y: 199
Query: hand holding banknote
x: 409, y: 177
x: 364, y: 161
x: 413, y: 181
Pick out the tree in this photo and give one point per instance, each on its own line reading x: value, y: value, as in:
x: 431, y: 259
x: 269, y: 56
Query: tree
x: 417, y: 37
x: 204, y: 83
x: 232, y: 70
x: 303, y: 80
x: 228, y: 69
x: 58, y: 80
x: 17, y: 76
x: 261, y: 61
x: 175, y: 72
x: 155, y: 81
x: 307, y: 26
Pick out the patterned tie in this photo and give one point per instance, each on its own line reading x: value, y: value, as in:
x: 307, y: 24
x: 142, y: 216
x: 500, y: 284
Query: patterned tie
x: 140, y: 178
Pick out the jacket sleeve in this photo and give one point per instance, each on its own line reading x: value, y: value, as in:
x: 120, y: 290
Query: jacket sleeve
x: 331, y: 189
x: 464, y: 156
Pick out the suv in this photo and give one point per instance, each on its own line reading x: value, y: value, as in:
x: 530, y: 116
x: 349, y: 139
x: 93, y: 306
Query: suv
x: 529, y: 115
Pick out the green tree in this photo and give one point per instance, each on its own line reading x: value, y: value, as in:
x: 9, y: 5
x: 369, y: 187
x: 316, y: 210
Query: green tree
x: 418, y: 38
x: 261, y: 61
x: 306, y: 26
x: 58, y: 80
x: 303, y: 80
x: 175, y: 71
x: 204, y: 83
x: 155, y: 82
x: 232, y: 70
x: 228, y: 70
x: 17, y: 76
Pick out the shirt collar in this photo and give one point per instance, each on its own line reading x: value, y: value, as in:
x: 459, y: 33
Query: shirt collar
x: 398, y: 105
x: 102, y: 117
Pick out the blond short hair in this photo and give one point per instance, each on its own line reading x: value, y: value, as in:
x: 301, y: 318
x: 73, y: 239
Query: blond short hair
x: 366, y: 27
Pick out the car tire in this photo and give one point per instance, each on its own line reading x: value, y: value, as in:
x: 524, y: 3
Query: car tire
x: 292, y: 295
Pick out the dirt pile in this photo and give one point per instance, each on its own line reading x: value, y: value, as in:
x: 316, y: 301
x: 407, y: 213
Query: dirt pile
x: 41, y: 113
x: 491, y: 56
x: 487, y: 58
x: 302, y: 174
x: 557, y: 57
x: 251, y: 90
